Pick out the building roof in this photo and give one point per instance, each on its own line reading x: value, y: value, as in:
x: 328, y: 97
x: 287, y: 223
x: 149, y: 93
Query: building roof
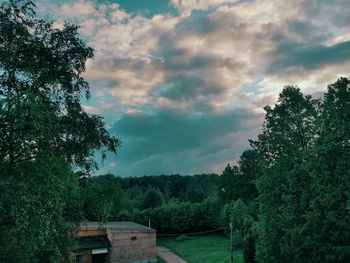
x: 118, y: 226
x: 92, y: 242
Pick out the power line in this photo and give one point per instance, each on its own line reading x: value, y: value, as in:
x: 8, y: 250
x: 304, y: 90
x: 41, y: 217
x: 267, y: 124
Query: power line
x: 193, y: 233
x: 172, y: 234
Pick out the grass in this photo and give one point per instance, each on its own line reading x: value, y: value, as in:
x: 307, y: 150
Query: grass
x: 202, y: 249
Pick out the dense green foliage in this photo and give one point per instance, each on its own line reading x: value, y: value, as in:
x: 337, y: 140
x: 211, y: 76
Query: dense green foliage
x: 176, y: 187
x: 180, y: 217
x: 328, y: 214
x: 165, y: 201
x: 204, y: 249
x: 304, y: 184
x: 287, y: 133
x: 101, y: 197
x: 46, y: 136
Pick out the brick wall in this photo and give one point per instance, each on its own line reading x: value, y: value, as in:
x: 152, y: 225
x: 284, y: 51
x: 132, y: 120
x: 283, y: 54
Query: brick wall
x: 125, y: 250
x: 84, y: 232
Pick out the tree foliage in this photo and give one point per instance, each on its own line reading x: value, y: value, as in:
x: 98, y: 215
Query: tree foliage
x: 328, y: 217
x: 238, y: 181
x: 303, y: 190
x: 153, y: 198
x: 288, y: 131
x: 45, y: 133
x: 36, y: 203
x: 101, y: 198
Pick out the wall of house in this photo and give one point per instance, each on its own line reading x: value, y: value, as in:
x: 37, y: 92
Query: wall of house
x: 125, y: 250
x: 84, y: 232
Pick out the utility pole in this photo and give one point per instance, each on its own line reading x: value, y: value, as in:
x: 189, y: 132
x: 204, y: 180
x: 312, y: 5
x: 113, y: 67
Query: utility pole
x: 231, y: 239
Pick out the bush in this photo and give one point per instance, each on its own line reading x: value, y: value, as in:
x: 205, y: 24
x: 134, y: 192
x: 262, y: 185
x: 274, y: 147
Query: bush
x: 180, y: 217
x: 124, y: 215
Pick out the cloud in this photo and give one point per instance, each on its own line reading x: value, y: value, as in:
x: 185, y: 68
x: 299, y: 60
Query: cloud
x: 78, y: 8
x: 180, y: 88
x: 91, y: 109
x: 291, y: 54
x: 158, y: 138
x: 196, y: 61
x: 186, y: 6
x: 329, y: 14
x: 187, y: 87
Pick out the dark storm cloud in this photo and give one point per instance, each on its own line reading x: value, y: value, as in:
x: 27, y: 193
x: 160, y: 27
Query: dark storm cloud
x: 187, y: 87
x: 164, y: 135
x: 309, y: 57
x: 308, y: 32
x: 187, y: 61
x: 170, y: 130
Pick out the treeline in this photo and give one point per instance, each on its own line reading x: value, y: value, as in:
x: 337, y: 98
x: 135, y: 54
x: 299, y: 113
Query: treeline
x: 288, y: 197
x: 172, y: 203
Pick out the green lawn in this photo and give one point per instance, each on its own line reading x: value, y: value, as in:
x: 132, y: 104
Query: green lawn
x: 202, y: 249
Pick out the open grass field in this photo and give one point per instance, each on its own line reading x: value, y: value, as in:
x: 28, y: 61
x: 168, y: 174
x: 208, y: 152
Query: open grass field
x: 202, y: 249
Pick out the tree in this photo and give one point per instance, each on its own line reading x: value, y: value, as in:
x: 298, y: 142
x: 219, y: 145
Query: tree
x: 39, y: 207
x: 45, y: 133
x: 250, y: 171
x: 234, y: 185
x: 153, y: 198
x: 101, y: 197
x: 248, y: 164
x: 227, y: 185
x: 289, y: 127
x: 289, y: 131
x: 328, y: 216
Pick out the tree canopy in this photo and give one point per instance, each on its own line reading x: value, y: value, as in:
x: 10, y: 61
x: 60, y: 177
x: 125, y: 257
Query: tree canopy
x: 46, y: 136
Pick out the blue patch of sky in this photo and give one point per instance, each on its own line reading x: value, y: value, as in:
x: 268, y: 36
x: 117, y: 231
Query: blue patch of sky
x: 147, y: 8
x: 251, y: 87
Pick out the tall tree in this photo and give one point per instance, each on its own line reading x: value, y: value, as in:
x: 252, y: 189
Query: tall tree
x: 45, y: 133
x: 327, y: 230
x: 250, y: 171
x: 229, y: 184
x: 236, y: 183
x: 288, y: 131
x: 248, y: 164
x: 153, y: 198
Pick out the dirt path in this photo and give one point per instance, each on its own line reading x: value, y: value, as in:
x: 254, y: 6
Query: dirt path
x: 169, y: 256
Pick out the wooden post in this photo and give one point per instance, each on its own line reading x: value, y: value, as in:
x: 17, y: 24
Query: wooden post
x: 231, y: 239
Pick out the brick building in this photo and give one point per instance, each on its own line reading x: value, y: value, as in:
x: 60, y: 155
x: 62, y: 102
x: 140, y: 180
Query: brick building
x: 115, y: 242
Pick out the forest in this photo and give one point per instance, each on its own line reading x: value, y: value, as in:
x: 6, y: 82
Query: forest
x: 287, y: 197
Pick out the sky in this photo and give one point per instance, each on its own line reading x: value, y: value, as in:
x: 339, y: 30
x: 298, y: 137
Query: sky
x: 183, y: 83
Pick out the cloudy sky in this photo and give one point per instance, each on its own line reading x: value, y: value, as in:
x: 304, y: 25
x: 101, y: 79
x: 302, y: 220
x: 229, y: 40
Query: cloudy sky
x: 182, y: 83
